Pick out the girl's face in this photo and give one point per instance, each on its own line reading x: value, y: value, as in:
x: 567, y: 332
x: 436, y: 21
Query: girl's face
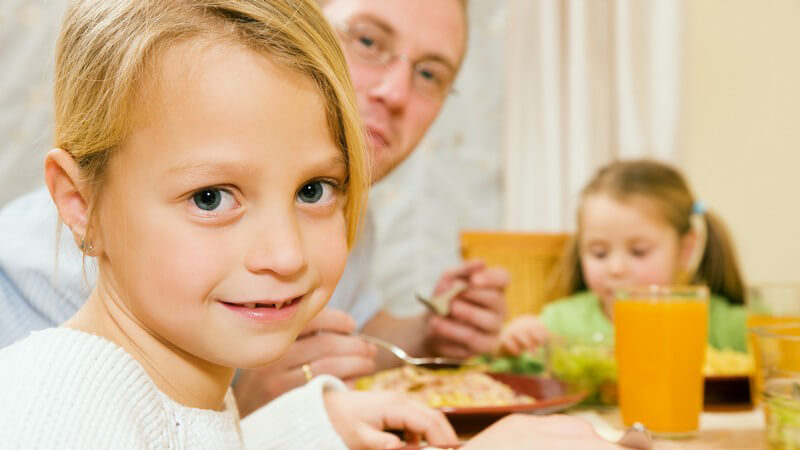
x: 623, y: 244
x: 221, y: 219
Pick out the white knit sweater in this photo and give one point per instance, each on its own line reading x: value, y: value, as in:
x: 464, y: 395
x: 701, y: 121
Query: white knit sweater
x: 65, y: 389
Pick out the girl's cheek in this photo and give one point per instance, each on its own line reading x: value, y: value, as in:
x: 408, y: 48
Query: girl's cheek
x: 655, y: 271
x: 592, y: 274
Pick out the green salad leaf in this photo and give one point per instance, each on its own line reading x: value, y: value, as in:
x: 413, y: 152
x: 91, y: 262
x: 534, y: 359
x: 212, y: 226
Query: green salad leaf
x: 588, y: 367
x: 526, y: 363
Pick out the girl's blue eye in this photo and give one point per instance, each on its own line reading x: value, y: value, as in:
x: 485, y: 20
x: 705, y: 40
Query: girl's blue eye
x: 213, y: 200
x: 315, y: 191
x: 208, y: 199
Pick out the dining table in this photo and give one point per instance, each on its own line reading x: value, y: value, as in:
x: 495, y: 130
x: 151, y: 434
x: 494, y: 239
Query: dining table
x: 729, y: 430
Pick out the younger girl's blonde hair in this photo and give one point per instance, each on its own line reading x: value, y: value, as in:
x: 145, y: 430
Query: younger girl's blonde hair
x: 107, y: 47
x: 664, y: 188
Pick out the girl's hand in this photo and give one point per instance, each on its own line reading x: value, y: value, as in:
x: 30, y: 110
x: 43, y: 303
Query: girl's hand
x: 361, y: 418
x: 523, y: 333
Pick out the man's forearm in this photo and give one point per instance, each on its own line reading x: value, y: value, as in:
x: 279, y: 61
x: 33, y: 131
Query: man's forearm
x: 408, y: 333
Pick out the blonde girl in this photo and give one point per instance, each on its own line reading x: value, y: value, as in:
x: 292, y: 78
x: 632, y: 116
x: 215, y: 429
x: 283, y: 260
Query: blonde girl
x: 210, y: 161
x: 638, y: 224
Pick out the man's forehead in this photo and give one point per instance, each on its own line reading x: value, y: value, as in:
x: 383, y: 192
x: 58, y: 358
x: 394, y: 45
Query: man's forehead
x: 426, y: 28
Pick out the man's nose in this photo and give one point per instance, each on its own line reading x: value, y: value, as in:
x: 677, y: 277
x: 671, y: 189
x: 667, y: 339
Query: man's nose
x: 277, y: 247
x: 394, y: 86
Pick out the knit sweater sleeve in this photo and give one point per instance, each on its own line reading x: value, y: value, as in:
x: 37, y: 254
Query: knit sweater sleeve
x: 66, y: 389
x: 296, y: 420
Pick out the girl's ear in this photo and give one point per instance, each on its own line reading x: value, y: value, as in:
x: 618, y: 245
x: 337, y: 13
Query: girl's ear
x: 69, y: 193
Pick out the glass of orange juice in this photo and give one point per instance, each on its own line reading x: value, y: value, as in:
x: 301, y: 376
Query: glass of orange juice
x: 777, y: 348
x: 769, y: 304
x: 660, y: 342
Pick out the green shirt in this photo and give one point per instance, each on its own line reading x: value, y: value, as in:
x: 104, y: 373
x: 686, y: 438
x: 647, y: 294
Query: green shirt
x: 581, y: 317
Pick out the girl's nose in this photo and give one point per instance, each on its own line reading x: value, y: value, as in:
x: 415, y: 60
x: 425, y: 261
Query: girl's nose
x: 617, y: 265
x: 277, y: 247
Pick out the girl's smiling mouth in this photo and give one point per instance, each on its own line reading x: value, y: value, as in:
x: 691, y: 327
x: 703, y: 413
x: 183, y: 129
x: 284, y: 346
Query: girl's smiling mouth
x: 265, y: 310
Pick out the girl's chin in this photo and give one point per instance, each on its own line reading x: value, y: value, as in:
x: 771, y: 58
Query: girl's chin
x: 258, y: 355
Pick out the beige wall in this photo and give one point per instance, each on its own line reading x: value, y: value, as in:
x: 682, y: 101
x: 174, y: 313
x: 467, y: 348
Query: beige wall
x: 742, y: 134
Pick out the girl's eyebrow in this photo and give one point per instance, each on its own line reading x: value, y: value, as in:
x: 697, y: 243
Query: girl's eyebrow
x: 213, y: 168
x: 335, y: 163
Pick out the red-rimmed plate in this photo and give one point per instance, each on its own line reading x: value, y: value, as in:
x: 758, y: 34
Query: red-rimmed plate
x: 551, y: 396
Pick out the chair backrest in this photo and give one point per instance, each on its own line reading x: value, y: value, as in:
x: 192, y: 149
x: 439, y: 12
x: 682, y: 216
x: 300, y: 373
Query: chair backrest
x: 529, y: 258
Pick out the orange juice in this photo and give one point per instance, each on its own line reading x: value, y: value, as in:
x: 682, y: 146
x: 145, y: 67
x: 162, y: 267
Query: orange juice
x: 660, y: 347
x: 791, y: 356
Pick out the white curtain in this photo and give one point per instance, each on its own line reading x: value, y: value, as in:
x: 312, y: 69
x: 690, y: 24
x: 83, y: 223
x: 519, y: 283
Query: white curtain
x: 587, y: 81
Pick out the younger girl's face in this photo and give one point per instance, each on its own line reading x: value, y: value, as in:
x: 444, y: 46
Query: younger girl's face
x: 623, y: 244
x: 221, y: 219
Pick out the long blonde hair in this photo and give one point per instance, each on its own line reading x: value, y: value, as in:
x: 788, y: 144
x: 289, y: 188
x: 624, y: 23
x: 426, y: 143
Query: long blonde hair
x: 106, y: 47
x: 666, y: 189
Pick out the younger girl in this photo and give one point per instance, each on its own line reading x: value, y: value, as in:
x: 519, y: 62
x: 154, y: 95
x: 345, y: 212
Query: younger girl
x: 638, y: 224
x: 210, y: 160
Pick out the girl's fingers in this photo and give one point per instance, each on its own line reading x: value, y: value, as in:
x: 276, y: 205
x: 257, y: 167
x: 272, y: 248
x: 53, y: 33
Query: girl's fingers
x: 420, y: 420
x: 372, y: 438
x: 511, y: 346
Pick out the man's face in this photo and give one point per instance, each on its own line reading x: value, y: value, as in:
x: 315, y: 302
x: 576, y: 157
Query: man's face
x: 398, y: 98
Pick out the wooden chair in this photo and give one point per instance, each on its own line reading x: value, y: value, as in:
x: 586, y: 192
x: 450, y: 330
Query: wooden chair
x: 529, y: 258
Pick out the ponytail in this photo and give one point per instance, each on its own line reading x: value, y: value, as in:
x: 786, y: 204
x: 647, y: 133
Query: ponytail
x: 719, y: 267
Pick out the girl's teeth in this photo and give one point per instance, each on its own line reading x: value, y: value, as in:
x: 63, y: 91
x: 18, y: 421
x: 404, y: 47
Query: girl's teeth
x: 278, y: 305
x: 250, y: 305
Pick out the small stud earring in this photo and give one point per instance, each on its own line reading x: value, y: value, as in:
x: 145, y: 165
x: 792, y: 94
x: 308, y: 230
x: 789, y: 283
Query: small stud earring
x: 86, y: 247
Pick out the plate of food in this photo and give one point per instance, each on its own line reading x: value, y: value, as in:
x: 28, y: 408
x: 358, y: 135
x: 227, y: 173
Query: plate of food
x: 470, y: 397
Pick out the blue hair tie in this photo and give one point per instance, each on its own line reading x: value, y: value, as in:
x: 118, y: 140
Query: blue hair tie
x: 698, y: 207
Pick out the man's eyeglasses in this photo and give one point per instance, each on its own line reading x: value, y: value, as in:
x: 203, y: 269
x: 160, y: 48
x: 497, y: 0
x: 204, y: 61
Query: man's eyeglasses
x: 374, y: 46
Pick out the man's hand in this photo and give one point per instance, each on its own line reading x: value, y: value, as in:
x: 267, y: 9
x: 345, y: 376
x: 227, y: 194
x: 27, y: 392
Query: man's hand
x: 332, y: 353
x: 360, y: 418
x: 550, y: 432
x: 476, y: 314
